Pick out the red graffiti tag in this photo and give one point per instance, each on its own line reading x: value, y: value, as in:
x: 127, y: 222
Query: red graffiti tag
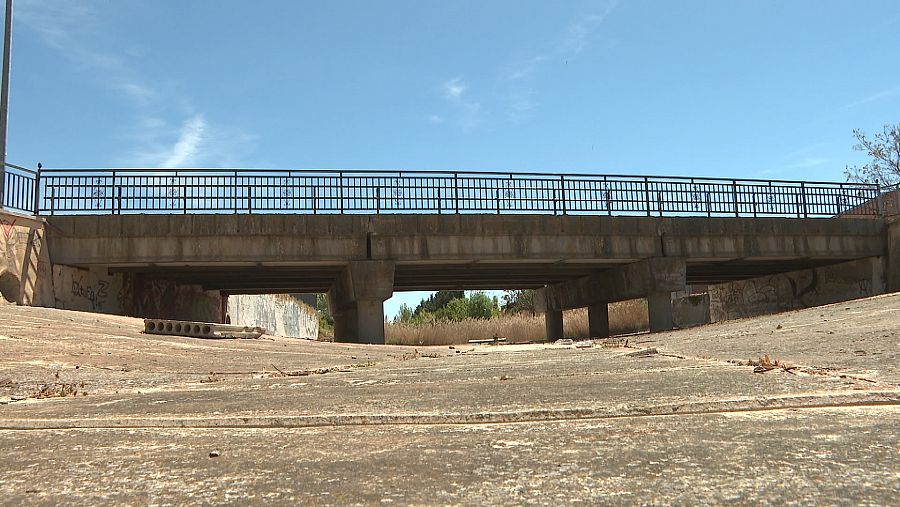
x: 8, y: 227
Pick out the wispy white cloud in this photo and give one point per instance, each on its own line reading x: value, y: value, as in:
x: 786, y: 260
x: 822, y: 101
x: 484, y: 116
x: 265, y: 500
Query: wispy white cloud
x: 468, y: 112
x: 76, y: 31
x: 874, y: 97
x: 516, y: 93
x: 454, y: 89
x: 806, y: 163
x: 436, y: 119
x: 579, y: 32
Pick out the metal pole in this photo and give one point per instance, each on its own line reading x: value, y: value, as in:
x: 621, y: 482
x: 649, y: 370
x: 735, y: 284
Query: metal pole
x: 4, y: 98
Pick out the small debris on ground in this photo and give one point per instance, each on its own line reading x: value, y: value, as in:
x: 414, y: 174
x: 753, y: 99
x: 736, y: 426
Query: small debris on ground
x: 564, y: 342
x: 214, y: 454
x: 639, y: 353
x: 584, y: 344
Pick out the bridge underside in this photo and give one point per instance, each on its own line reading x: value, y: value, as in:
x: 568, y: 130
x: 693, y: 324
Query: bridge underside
x: 361, y: 260
x: 469, y: 275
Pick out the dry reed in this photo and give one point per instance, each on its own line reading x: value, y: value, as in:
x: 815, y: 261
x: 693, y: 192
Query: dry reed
x: 624, y: 317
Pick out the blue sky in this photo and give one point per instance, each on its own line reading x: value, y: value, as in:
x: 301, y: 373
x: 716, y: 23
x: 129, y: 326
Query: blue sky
x: 767, y: 89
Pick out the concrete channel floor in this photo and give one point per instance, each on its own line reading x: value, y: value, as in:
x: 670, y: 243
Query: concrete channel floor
x: 172, y: 420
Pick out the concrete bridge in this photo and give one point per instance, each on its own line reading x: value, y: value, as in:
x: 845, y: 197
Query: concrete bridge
x: 293, y: 232
x: 360, y: 260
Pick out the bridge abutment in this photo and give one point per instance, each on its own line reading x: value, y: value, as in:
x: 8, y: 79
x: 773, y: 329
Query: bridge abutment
x: 357, y: 301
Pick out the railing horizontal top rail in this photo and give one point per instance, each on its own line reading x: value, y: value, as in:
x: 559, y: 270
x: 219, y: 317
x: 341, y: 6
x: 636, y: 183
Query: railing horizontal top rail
x: 314, y: 191
x: 427, y: 172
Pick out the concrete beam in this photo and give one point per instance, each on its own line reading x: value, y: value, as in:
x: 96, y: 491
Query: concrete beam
x: 633, y: 281
x: 357, y: 301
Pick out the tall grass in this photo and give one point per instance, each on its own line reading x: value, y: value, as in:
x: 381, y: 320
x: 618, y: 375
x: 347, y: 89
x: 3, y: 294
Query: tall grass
x: 624, y: 317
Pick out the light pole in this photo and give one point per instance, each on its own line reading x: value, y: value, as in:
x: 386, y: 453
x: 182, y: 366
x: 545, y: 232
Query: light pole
x: 4, y: 98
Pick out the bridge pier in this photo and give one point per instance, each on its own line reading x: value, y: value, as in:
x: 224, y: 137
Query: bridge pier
x: 654, y: 278
x: 553, y: 320
x: 598, y: 320
x: 357, y: 301
x: 659, y: 306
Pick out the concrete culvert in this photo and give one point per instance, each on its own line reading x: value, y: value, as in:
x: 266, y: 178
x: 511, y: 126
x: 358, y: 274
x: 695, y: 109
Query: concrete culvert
x: 178, y: 328
x: 207, y: 330
x: 195, y: 329
x: 168, y: 327
x: 151, y: 326
x: 10, y: 287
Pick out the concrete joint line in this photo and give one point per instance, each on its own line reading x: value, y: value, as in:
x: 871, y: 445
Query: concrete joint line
x: 808, y: 401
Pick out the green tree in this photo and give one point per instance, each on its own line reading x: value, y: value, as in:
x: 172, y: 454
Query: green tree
x: 404, y: 315
x: 883, y: 150
x: 438, y: 300
x: 519, y: 301
x: 481, y: 306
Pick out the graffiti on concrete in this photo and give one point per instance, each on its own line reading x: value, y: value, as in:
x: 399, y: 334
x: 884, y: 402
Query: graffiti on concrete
x: 789, y: 291
x: 96, y: 294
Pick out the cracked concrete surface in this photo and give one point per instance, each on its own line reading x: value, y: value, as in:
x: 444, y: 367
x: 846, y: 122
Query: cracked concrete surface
x: 173, y: 420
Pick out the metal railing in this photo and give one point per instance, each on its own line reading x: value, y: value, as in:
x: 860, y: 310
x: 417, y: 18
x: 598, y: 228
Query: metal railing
x: 134, y: 191
x: 19, y: 185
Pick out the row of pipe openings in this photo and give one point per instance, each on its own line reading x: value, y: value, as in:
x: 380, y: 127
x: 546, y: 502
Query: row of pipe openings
x: 178, y: 328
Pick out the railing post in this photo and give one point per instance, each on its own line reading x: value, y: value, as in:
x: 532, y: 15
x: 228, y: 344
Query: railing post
x: 647, y: 194
x: 341, y: 190
x: 879, y: 209
x: 562, y: 189
x: 734, y: 198
x: 51, y: 201
x: 249, y: 200
x: 116, y: 197
x: 456, y: 192
x: 37, y: 191
x: 377, y: 199
x: 803, y: 199
x: 234, y: 192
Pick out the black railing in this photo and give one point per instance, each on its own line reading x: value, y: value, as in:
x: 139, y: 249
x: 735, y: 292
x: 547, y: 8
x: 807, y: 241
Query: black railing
x: 132, y: 191
x: 19, y: 189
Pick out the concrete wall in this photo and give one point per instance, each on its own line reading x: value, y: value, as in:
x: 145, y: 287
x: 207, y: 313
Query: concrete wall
x: 280, y: 314
x: 164, y: 299
x: 796, y: 289
x: 892, y: 268
x: 691, y: 310
x: 25, y: 270
x: 88, y: 290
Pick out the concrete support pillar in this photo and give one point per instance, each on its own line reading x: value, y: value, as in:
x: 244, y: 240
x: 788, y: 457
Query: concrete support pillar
x: 598, y: 320
x: 553, y: 319
x: 659, y: 305
x: 370, y: 321
x: 357, y: 300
